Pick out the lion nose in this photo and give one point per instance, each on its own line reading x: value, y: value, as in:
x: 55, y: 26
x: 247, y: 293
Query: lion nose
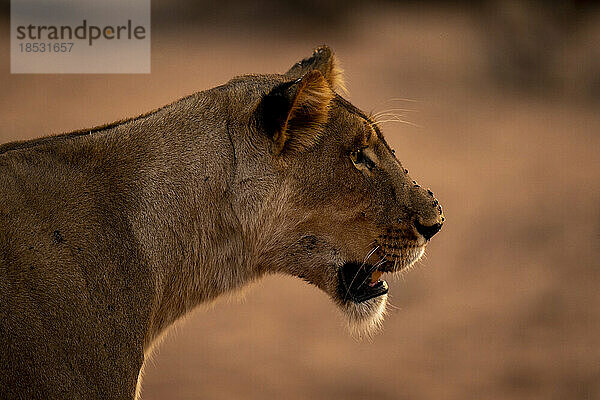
x: 428, y: 230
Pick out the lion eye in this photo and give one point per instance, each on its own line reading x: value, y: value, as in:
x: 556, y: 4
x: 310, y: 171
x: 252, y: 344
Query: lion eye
x: 360, y: 159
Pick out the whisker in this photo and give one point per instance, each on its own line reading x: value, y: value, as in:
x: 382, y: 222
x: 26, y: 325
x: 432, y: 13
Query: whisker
x: 397, y: 120
x: 387, y: 116
x: 390, y: 112
x: 393, y: 306
x: 379, y: 104
x: 404, y: 99
x: 368, y: 256
x: 399, y: 109
x: 358, y: 271
x: 379, y: 263
x: 373, y: 269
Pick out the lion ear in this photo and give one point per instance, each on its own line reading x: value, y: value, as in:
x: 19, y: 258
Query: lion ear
x: 294, y: 113
x: 323, y: 59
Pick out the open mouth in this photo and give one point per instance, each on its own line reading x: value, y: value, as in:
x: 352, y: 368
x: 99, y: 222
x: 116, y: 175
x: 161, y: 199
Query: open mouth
x: 360, y: 282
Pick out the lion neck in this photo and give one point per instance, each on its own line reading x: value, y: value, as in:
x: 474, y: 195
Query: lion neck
x: 204, y: 224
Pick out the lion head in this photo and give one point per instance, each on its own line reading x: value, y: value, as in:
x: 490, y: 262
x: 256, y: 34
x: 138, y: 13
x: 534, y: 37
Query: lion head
x: 331, y: 203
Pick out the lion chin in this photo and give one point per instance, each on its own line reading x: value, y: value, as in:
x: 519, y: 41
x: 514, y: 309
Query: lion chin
x: 366, y: 318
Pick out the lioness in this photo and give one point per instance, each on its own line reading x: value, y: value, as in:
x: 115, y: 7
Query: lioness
x: 110, y: 235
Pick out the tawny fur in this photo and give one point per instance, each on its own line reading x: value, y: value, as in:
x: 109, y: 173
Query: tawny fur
x: 109, y: 236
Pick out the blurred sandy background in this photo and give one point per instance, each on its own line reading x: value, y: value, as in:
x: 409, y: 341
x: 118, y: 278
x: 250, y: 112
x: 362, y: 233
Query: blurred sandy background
x: 503, y: 102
